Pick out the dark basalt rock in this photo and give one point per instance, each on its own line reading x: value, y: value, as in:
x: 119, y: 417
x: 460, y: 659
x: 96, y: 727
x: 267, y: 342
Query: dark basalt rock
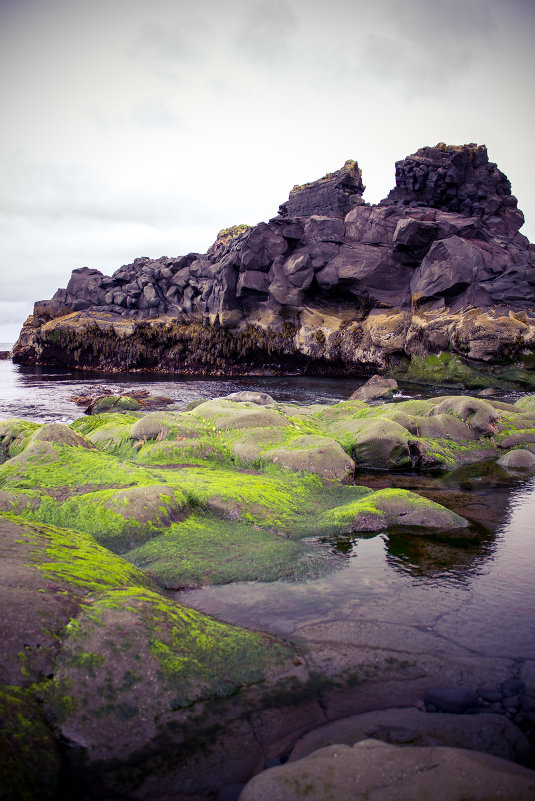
x: 457, y: 179
x: 305, y: 289
x: 333, y: 195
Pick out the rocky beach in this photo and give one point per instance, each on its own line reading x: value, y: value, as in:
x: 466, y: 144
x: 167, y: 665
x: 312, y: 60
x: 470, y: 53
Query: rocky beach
x: 181, y: 614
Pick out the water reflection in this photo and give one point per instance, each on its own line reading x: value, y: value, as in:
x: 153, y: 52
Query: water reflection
x: 482, y: 591
x: 425, y: 559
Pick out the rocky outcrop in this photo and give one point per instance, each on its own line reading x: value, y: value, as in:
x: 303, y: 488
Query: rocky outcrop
x: 330, y: 285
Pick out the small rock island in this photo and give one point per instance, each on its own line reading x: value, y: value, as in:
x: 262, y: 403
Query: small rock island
x: 434, y: 283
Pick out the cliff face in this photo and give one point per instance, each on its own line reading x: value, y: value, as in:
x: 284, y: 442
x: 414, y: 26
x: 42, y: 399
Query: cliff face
x: 331, y: 284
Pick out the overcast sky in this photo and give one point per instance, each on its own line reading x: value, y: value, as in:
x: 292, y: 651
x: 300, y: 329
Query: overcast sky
x: 135, y: 128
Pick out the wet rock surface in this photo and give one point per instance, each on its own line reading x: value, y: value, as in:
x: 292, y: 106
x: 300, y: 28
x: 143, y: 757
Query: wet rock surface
x: 330, y: 285
x: 103, y: 518
x: 375, y: 769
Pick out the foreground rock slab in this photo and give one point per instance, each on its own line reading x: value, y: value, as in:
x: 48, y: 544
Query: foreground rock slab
x: 373, y: 769
x: 492, y: 734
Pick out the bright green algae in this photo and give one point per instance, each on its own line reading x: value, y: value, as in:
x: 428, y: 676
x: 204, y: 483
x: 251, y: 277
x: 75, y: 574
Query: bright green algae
x: 194, y: 512
x: 121, y: 656
x: 172, y: 496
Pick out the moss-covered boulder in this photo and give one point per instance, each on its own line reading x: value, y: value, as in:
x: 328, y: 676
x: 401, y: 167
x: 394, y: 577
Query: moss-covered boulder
x: 392, y: 507
x: 313, y: 454
x: 249, y: 443
x: 378, y: 444
x: 60, y: 434
x: 225, y: 414
x: 113, y: 693
x: 479, y: 414
x: 167, y: 425
x: 526, y: 403
x: 183, y: 451
x: 14, y: 436
x: 114, y: 665
x: 113, y: 403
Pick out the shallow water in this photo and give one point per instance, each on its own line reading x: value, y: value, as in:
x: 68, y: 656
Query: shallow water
x: 43, y: 394
x: 480, y: 597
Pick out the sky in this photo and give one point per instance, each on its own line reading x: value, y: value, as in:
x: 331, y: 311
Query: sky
x: 134, y: 128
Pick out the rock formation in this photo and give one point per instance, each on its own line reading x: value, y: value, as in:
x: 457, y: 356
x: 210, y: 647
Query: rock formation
x: 330, y: 285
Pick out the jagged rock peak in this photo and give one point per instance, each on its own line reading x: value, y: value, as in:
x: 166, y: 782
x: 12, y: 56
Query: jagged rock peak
x: 460, y: 179
x: 334, y: 195
x: 227, y: 235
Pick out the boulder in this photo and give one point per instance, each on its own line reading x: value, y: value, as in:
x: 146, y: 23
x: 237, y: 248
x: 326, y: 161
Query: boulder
x: 113, y: 403
x: 518, y: 459
x: 492, y: 734
x: 261, y: 398
x: 372, y: 768
x: 376, y: 387
x: 313, y: 454
x: 376, y: 444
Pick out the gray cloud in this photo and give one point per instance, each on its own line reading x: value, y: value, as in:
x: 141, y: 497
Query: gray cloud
x: 136, y: 129
x: 155, y: 113
x: 266, y: 30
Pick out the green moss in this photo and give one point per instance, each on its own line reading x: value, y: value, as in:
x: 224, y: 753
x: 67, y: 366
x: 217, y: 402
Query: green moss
x: 204, y: 550
x: 183, y: 653
x: 116, y: 404
x: 274, y: 498
x: 46, y: 465
x: 76, y: 558
x: 203, y: 449
x: 118, y: 519
x: 88, y: 424
x: 14, y: 437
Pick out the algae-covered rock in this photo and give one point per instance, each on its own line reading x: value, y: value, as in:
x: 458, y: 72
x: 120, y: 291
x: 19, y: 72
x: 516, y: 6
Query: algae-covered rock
x: 155, y: 504
x: 113, y: 403
x: 392, y: 507
x: 118, y: 518
x: 182, y: 451
x: 374, y: 444
x: 169, y: 657
x: 248, y: 444
x: 115, y: 665
x: 526, y: 403
x: 313, y: 454
x: 17, y: 502
x: 14, y: 436
x: 480, y: 415
x: 167, y: 425
x: 445, y: 425
x: 225, y: 414
x: 374, y: 769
